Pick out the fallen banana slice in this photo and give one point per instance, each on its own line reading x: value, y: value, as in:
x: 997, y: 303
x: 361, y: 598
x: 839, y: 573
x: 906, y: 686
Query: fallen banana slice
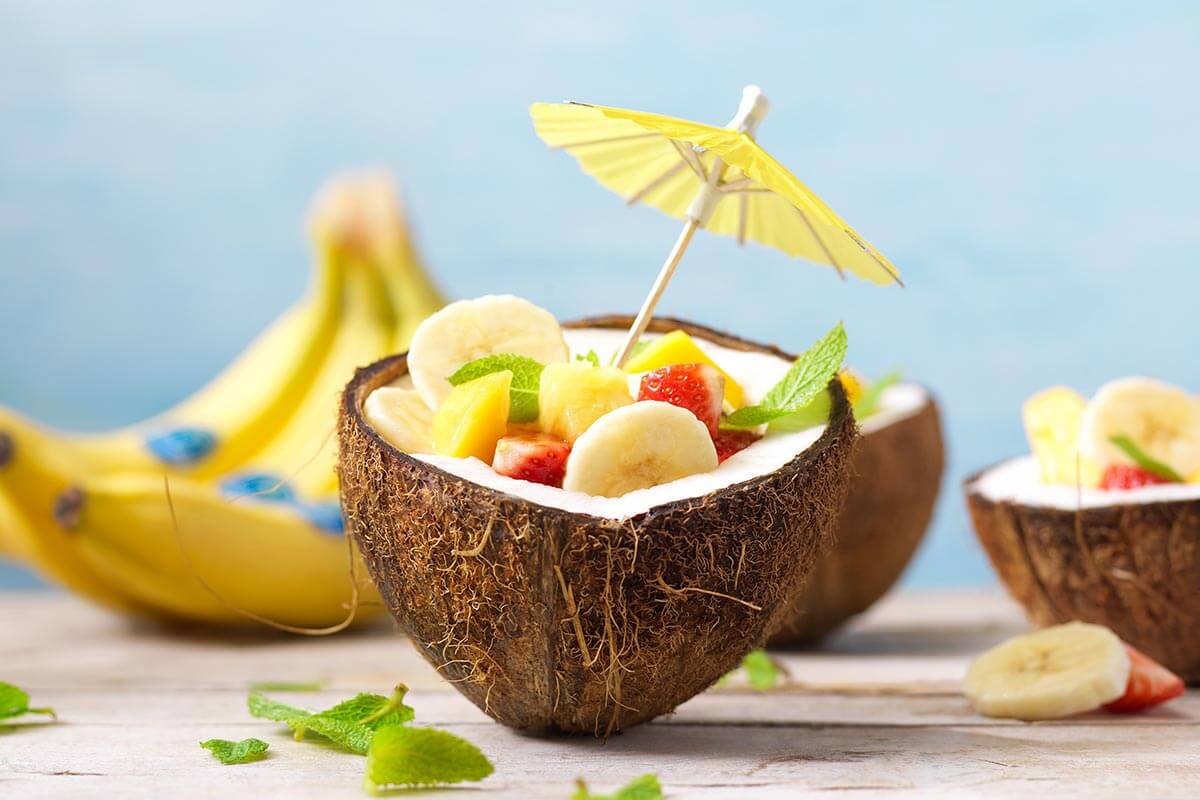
x: 638, y: 446
x: 1053, y: 673
x: 401, y: 417
x: 1163, y: 420
x: 470, y: 329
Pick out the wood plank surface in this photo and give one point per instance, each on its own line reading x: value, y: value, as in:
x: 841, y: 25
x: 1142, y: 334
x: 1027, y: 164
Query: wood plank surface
x: 875, y: 713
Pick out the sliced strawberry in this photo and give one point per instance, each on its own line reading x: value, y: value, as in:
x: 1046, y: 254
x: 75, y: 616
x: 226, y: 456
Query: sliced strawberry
x: 697, y: 387
x: 730, y: 442
x: 1150, y: 683
x: 1124, y: 476
x: 536, y: 457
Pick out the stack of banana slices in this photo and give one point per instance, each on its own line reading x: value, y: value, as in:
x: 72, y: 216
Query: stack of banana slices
x: 253, y: 526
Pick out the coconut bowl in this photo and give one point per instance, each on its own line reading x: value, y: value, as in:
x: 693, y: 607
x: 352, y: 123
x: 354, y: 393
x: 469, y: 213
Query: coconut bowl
x: 550, y: 620
x: 896, y: 471
x: 1133, y: 566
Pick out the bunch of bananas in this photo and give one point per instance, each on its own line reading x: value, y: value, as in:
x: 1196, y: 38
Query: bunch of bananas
x: 251, y: 521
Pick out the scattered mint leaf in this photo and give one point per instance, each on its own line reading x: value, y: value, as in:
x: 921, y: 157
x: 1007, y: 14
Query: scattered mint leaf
x: 286, y: 686
x: 14, y: 702
x: 645, y: 787
x: 591, y: 357
x: 353, y: 723
x: 761, y: 670
x: 264, y: 707
x: 527, y: 375
x: 242, y: 752
x: 402, y: 756
x: 868, y: 402
x: 810, y: 374
x: 1143, y: 460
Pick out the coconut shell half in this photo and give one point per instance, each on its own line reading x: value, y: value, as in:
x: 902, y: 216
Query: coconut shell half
x: 1133, y: 567
x: 896, y: 472
x: 550, y: 620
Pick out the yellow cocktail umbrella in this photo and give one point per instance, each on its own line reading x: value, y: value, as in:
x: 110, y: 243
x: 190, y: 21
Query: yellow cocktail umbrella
x: 714, y: 178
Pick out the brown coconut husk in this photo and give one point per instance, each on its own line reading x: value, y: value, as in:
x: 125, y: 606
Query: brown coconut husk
x: 896, y: 472
x: 554, y: 621
x: 1134, y: 568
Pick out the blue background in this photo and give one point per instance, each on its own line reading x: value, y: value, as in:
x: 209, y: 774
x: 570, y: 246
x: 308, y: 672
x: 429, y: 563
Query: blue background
x: 1031, y: 167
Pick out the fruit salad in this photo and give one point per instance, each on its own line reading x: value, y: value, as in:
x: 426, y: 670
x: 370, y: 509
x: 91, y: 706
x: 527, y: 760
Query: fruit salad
x: 1134, y: 432
x: 497, y: 382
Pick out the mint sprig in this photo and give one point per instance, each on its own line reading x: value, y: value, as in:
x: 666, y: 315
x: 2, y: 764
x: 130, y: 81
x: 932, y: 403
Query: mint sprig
x: 808, y: 375
x: 1144, y: 460
x: 868, y: 403
x: 351, y: 723
x: 403, y: 756
x: 592, y: 357
x: 523, y: 394
x: 644, y: 787
x: 14, y: 702
x: 229, y: 752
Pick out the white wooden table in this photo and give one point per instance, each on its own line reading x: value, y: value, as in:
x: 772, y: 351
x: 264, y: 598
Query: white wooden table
x: 876, y: 713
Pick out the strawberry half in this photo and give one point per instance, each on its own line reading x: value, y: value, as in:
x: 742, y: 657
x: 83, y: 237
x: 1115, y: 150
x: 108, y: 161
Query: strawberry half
x: 730, y: 442
x: 1124, y: 476
x: 536, y: 457
x: 697, y: 387
x: 1150, y: 683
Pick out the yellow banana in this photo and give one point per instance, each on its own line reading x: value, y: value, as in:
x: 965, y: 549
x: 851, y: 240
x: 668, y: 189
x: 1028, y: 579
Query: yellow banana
x: 264, y: 557
x: 38, y: 487
x: 90, y: 511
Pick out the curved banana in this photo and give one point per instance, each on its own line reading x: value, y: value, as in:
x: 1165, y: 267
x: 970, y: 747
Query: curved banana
x: 90, y: 512
x: 268, y: 558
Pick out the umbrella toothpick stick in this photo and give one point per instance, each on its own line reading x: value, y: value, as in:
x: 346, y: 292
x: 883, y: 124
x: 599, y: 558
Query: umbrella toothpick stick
x: 750, y: 113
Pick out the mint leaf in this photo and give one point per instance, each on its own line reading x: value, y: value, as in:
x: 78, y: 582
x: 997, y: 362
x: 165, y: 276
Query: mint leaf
x: 14, y: 702
x: 1143, y: 460
x: 638, y: 347
x: 242, y: 752
x: 592, y: 357
x: 810, y: 373
x: 527, y: 375
x: 761, y: 670
x: 645, y: 787
x: 406, y: 756
x: 286, y: 686
x: 868, y: 403
x: 353, y: 723
x: 264, y: 707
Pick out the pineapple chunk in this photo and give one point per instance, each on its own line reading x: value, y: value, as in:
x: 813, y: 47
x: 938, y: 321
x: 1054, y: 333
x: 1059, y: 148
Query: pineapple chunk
x: 679, y: 348
x: 1052, y: 418
x: 574, y: 395
x: 473, y: 417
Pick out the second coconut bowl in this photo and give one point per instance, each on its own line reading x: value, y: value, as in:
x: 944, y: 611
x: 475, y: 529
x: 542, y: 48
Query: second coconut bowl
x: 896, y: 471
x: 550, y: 620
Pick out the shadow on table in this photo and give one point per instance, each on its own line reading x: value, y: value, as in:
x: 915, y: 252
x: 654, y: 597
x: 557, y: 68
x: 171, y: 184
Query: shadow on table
x: 915, y: 640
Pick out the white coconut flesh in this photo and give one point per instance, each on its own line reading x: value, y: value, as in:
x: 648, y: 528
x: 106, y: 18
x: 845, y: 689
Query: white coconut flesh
x: 1019, y: 481
x: 756, y: 372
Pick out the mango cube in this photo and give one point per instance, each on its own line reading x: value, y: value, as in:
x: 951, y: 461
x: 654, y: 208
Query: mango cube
x: 679, y: 348
x: 853, y: 384
x: 473, y: 417
x: 1052, y: 418
x: 573, y: 395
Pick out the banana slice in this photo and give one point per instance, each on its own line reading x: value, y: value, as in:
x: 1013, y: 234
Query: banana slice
x: 638, y: 446
x: 401, y: 417
x: 470, y: 329
x: 1163, y: 420
x: 1053, y: 673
